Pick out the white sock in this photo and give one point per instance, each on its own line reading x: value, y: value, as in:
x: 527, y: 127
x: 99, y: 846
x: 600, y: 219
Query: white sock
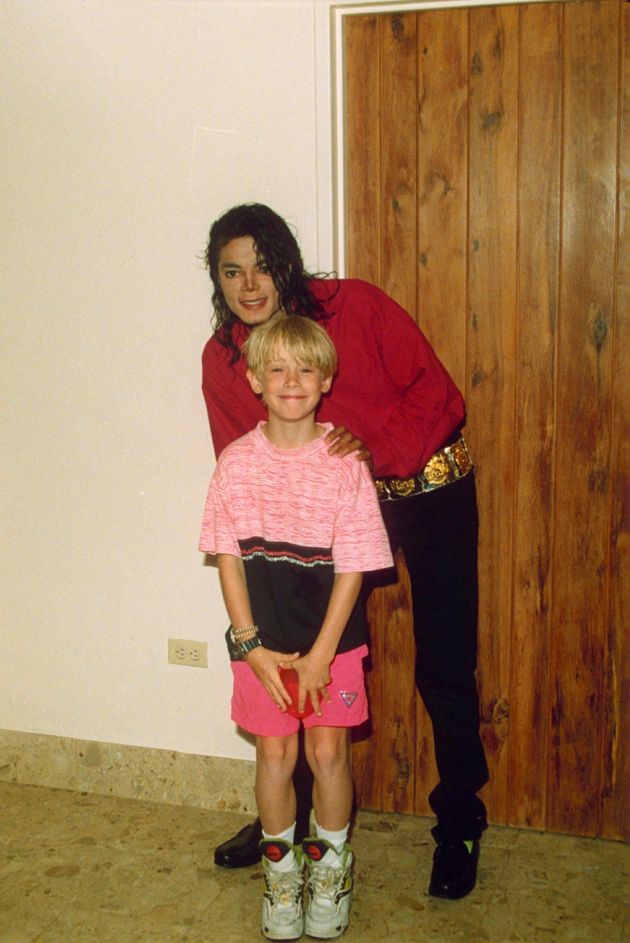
x: 337, y: 840
x: 288, y: 862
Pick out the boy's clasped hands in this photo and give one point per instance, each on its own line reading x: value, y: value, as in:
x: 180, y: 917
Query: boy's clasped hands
x: 292, y: 693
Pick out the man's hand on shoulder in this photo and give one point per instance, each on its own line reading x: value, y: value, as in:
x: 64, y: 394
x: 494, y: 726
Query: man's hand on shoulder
x: 342, y: 442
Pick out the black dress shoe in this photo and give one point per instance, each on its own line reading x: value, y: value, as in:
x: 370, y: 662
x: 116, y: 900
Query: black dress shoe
x: 454, y: 870
x: 242, y: 850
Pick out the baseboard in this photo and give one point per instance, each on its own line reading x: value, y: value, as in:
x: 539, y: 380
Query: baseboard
x: 131, y: 772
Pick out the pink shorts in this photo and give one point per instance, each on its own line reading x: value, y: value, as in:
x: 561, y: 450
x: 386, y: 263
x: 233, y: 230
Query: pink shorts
x: 255, y: 711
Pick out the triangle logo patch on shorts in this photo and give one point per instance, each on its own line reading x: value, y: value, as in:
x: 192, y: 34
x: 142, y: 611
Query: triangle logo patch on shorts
x: 348, y: 697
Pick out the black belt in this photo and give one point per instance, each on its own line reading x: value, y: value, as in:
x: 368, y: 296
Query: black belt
x: 449, y: 464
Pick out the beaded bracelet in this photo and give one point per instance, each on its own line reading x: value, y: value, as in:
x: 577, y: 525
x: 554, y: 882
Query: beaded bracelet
x: 242, y: 631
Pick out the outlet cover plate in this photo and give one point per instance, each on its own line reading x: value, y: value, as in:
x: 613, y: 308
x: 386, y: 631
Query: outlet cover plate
x: 182, y: 651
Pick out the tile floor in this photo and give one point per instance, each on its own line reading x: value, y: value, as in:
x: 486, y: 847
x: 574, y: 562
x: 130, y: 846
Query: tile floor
x: 97, y: 869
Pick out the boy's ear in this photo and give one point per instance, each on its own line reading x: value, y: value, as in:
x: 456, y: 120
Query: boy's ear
x: 326, y: 384
x: 253, y: 381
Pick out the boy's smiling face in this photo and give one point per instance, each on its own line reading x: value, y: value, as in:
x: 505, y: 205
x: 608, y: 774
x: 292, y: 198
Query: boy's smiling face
x: 290, y: 390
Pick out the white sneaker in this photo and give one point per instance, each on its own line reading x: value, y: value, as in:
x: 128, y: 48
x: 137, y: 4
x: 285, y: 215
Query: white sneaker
x: 282, y: 909
x: 328, y: 891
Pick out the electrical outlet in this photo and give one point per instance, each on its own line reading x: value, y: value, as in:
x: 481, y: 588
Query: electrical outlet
x: 182, y: 651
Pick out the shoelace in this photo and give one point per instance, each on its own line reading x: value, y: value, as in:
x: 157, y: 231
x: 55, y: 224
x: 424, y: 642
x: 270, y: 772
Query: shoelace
x: 326, y: 881
x: 285, y: 887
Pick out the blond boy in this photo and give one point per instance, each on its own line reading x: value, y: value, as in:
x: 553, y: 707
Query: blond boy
x: 294, y: 529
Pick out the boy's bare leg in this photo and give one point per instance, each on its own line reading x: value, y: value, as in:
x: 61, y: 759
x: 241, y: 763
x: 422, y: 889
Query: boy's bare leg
x: 282, y: 915
x: 328, y: 858
x: 328, y: 754
x: 242, y: 849
x: 303, y: 785
x: 275, y: 794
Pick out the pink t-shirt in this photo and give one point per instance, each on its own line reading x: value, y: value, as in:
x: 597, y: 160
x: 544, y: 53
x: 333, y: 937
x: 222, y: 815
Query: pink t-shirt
x: 296, y: 518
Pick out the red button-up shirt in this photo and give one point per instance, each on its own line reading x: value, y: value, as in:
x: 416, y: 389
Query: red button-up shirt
x: 391, y: 390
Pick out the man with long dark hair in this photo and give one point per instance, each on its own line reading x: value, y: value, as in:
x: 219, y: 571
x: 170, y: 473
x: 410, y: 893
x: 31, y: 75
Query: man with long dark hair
x: 406, y: 416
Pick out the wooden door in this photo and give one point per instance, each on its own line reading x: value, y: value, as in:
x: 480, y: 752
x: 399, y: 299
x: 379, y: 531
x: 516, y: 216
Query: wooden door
x: 487, y: 176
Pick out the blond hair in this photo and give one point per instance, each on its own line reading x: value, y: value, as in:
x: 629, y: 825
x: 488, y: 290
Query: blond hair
x: 302, y: 339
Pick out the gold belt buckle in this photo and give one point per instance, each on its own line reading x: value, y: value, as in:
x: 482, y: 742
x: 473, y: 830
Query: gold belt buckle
x: 436, y: 470
x: 449, y: 464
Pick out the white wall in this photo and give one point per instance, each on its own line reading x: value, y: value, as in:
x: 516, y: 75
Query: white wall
x: 127, y: 127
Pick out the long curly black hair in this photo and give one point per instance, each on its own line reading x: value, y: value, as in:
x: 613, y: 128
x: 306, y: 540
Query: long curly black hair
x: 276, y: 248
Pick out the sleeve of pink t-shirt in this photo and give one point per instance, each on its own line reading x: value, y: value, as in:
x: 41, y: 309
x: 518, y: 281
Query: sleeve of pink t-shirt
x: 360, y: 539
x: 218, y: 533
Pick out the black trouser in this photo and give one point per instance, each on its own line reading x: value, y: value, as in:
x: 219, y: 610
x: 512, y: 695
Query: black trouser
x: 437, y: 532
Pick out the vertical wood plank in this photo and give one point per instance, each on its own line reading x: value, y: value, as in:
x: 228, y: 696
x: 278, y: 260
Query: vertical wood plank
x: 369, y: 742
x: 398, y: 158
x: 399, y: 253
x: 383, y: 764
x: 616, y: 765
x: 581, y: 505
x: 363, y: 132
x: 540, y: 74
x: 442, y: 43
x: 397, y: 741
x: 493, y: 117
x: 442, y: 183
x: 363, y: 254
